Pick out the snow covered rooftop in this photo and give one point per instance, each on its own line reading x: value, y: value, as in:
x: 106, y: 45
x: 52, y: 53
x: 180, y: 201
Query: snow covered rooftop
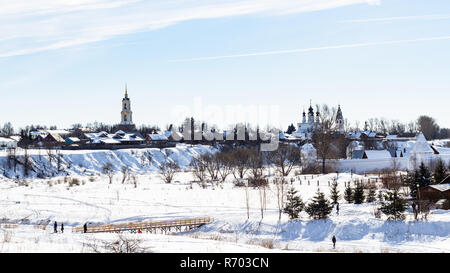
x: 59, y: 132
x: 157, y: 137
x: 108, y: 141
x: 421, y: 145
x: 377, y: 154
x: 176, y: 134
x: 16, y: 138
x: 117, y: 138
x: 308, y: 147
x: 358, y: 135
x: 441, y: 187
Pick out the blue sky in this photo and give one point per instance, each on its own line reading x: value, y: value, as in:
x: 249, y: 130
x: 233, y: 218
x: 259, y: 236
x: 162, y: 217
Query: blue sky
x: 68, y: 63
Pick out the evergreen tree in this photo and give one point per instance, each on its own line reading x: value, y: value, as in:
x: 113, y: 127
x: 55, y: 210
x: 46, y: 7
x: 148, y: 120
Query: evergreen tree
x: 371, y: 195
x: 421, y: 178
x: 394, y: 206
x: 294, y: 204
x: 358, y: 194
x: 320, y: 207
x: 335, y: 196
x: 440, y: 172
x: 290, y: 129
x: 348, y: 194
x: 380, y: 196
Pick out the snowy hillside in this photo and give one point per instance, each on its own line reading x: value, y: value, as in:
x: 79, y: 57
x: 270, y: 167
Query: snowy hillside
x: 45, y: 163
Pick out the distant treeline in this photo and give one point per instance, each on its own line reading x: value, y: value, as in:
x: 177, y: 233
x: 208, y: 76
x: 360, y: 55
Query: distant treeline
x: 425, y: 124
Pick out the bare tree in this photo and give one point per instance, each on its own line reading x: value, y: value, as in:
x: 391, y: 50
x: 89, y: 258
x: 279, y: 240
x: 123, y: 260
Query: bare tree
x: 7, y: 129
x: 247, y: 199
x: 428, y: 126
x: 12, y: 158
x: 285, y: 158
x: 26, y: 162
x: 323, y: 135
x: 262, y: 197
x: 281, y: 190
x: 59, y: 160
x: 225, y: 165
x: 134, y: 180
x: 125, y: 173
x: 198, y: 168
x: 211, y: 164
x: 108, y: 170
x: 240, y: 162
x: 256, y: 165
x: 49, y: 154
x: 168, y: 170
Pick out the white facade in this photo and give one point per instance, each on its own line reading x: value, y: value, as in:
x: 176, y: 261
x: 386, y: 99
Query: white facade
x: 309, y: 123
x: 308, y: 153
x: 7, y: 143
x: 420, y: 152
x: 307, y: 126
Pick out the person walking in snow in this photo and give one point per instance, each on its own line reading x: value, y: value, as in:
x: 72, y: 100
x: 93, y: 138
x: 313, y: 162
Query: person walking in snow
x: 55, y: 227
x: 62, y: 227
x: 334, y: 242
x: 85, y: 227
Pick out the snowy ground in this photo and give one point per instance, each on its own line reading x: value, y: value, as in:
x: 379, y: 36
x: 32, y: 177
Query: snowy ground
x: 25, y: 209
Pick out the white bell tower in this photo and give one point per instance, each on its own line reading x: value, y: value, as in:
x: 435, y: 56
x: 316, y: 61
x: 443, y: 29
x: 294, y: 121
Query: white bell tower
x: 126, y: 114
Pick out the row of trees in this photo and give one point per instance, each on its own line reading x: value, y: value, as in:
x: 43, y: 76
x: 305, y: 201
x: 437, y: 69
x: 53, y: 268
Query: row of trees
x: 392, y: 203
x: 425, y: 124
x: 242, y: 162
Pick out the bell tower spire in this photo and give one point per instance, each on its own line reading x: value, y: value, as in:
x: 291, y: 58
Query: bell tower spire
x: 126, y: 114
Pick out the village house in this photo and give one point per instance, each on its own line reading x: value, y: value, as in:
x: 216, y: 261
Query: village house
x: 156, y: 139
x: 6, y: 142
x: 371, y: 154
x: 51, y: 139
x: 439, y: 194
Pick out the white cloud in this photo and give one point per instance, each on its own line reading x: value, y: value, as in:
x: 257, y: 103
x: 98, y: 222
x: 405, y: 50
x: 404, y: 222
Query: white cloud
x: 33, y: 26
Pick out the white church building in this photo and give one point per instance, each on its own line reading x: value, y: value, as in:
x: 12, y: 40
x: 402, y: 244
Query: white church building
x: 305, y: 129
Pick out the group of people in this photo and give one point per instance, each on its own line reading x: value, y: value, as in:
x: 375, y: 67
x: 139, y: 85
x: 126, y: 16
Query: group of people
x: 55, y: 227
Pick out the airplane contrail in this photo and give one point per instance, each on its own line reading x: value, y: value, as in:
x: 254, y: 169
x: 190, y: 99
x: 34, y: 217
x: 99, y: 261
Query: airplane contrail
x: 387, y: 19
x: 290, y: 51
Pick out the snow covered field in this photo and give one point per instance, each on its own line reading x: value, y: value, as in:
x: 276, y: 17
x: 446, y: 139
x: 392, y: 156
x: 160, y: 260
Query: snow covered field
x: 24, y: 209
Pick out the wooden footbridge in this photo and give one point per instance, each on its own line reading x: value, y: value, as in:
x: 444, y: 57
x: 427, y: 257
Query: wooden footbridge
x: 153, y: 227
